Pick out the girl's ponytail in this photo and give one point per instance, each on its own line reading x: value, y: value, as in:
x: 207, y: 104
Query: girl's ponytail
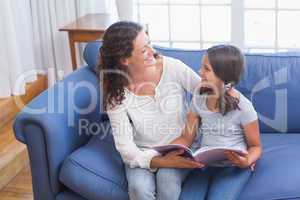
x: 228, y: 64
x: 226, y: 102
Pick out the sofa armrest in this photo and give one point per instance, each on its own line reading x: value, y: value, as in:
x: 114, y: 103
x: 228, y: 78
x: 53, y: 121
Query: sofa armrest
x: 50, y: 127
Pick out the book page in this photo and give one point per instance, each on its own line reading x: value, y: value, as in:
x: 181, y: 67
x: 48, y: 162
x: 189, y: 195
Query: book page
x: 164, y: 149
x: 211, y: 155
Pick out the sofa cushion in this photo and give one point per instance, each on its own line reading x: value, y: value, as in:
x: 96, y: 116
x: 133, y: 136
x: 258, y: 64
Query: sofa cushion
x: 68, y: 195
x: 274, y: 78
x: 96, y: 171
x: 91, y: 54
x: 277, y: 174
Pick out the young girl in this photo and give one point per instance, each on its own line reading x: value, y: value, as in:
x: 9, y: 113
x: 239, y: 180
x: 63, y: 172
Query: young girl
x: 225, y: 118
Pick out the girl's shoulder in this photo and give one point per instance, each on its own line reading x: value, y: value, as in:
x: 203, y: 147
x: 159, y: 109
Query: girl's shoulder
x: 247, y: 111
x: 245, y: 104
x: 243, y: 100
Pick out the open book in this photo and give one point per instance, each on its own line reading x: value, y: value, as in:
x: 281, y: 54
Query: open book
x: 205, y: 155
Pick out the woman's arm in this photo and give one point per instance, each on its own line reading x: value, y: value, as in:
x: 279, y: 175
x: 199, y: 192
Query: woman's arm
x: 174, y: 159
x: 189, y: 131
x: 122, y: 132
x: 132, y: 155
x: 188, y: 79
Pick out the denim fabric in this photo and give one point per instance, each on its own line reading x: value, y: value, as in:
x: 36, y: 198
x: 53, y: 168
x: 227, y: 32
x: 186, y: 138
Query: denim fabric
x: 166, y: 184
x: 217, y: 183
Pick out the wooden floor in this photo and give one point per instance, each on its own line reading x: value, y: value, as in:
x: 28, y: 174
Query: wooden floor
x: 15, y: 176
x: 20, y: 188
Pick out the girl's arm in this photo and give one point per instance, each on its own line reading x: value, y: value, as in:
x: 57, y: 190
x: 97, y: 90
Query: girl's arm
x: 252, y: 137
x: 253, y: 141
x: 189, y: 131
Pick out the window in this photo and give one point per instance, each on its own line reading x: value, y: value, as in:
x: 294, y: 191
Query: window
x: 253, y: 25
x: 179, y: 23
x: 270, y: 25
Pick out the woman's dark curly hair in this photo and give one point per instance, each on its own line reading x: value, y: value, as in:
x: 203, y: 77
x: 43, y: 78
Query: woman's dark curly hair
x: 228, y: 63
x: 117, y: 45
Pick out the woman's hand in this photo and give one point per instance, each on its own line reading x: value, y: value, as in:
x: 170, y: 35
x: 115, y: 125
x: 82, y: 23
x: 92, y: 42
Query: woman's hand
x: 175, y: 160
x: 238, y: 160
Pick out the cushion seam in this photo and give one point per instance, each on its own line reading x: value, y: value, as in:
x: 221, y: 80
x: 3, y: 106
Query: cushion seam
x: 94, y: 173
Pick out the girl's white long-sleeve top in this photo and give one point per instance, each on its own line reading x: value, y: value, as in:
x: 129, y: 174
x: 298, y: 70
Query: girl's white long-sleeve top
x: 142, y: 122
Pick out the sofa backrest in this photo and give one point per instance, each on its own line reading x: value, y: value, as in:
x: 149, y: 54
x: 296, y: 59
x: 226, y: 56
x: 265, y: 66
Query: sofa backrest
x: 271, y: 81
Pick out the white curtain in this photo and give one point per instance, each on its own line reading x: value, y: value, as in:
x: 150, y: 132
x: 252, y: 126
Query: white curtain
x: 126, y: 9
x: 16, y: 50
x: 30, y: 42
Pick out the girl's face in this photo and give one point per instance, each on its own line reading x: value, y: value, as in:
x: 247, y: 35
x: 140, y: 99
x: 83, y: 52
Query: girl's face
x: 208, y: 76
x: 143, y: 54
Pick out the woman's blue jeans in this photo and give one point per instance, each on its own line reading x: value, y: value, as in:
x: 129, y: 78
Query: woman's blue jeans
x: 165, y: 184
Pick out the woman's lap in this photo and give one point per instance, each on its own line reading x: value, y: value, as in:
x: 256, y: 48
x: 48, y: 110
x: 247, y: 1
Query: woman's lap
x: 164, y: 184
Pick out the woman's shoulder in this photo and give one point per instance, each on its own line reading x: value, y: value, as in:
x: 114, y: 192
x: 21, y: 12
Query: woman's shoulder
x: 171, y: 60
x: 173, y: 65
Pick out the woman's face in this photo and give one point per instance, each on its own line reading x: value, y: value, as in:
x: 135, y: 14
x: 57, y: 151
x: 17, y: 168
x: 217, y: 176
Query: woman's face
x: 143, y: 54
x: 208, y: 76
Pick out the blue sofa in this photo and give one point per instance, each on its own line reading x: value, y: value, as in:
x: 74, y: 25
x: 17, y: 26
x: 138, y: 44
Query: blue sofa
x: 72, y: 153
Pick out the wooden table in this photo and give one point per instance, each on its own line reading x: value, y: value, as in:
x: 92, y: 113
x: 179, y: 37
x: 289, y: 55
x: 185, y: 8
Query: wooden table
x: 85, y: 29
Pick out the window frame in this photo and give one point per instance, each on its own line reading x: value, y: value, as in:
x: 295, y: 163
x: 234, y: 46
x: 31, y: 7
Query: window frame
x: 237, y: 36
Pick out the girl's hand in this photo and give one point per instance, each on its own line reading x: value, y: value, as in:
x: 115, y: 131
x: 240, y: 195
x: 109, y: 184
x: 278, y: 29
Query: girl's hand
x: 238, y: 160
x: 175, y: 160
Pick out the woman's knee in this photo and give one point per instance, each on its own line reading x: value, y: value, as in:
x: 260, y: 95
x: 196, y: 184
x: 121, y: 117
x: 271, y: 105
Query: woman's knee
x: 141, y: 192
x: 169, y: 183
x: 170, y: 175
x: 141, y: 186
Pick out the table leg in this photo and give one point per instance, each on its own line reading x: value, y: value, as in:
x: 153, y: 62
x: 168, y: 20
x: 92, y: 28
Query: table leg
x: 72, y: 50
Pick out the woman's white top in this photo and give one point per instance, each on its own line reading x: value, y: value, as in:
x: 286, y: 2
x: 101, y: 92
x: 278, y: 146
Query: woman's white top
x: 142, y: 122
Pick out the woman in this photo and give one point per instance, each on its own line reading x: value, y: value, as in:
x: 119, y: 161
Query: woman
x: 144, y: 95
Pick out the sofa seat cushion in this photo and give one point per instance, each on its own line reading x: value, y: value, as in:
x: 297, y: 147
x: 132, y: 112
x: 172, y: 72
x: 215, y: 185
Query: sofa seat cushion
x: 277, y: 174
x: 96, y: 171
